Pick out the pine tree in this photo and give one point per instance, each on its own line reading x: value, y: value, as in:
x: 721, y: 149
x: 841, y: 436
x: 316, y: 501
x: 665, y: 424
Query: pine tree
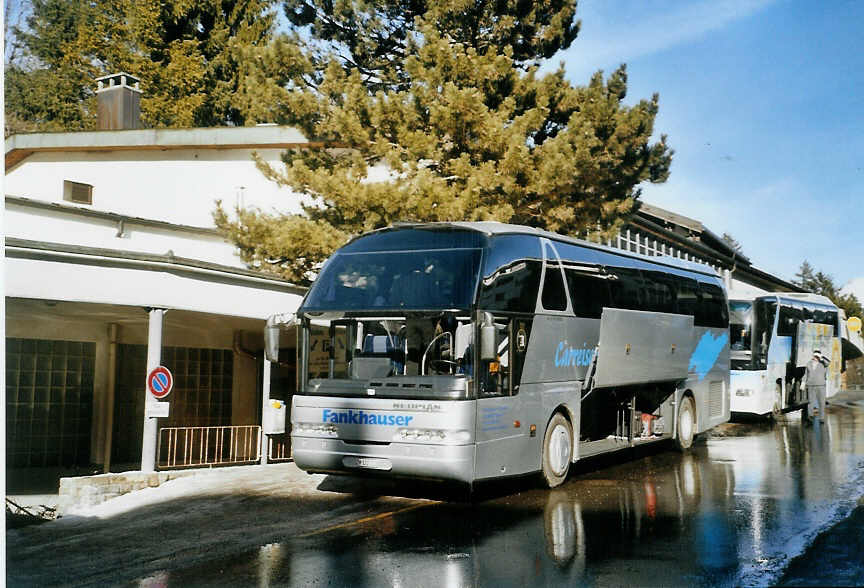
x: 451, y: 102
x: 374, y: 38
x: 732, y: 242
x: 821, y: 283
x: 190, y: 58
x: 806, y: 277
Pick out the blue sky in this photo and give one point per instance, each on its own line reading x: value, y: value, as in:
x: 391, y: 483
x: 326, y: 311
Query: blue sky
x: 763, y: 102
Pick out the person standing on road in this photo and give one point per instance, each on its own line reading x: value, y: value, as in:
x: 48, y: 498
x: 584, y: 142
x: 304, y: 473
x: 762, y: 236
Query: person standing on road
x: 815, y: 376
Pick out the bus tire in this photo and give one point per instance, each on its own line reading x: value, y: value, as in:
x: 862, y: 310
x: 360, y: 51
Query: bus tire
x: 557, y: 450
x: 686, y: 424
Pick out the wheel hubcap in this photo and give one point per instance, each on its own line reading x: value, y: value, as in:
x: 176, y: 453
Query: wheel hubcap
x: 559, y: 450
x: 686, y: 423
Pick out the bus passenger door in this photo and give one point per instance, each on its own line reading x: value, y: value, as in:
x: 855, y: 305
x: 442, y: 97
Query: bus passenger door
x: 499, y: 431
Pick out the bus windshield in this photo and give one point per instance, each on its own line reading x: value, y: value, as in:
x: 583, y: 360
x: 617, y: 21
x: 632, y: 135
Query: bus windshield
x: 740, y: 325
x: 429, y: 279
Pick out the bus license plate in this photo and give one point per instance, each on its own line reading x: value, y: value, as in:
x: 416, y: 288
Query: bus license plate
x: 372, y: 463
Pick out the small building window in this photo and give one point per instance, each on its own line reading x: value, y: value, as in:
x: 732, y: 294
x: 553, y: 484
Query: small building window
x: 77, y: 192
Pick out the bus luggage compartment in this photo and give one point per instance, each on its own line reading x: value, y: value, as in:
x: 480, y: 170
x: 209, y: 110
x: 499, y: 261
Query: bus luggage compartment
x: 638, y: 347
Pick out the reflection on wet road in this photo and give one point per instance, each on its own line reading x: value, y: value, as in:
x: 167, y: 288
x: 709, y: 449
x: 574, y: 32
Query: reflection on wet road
x: 731, y: 512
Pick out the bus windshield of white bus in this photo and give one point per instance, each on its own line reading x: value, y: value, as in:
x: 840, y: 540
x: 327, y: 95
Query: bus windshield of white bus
x: 740, y: 325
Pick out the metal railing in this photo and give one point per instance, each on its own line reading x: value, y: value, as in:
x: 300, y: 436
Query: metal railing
x: 279, y: 447
x: 183, y: 447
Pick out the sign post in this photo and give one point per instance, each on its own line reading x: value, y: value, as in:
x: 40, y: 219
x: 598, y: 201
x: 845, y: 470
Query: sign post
x: 154, y: 358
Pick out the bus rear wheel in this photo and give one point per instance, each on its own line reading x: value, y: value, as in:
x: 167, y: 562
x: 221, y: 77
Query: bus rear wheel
x: 557, y: 450
x: 686, y: 424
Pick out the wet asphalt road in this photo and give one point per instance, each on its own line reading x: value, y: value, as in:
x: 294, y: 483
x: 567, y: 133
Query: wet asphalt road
x: 734, y: 511
x: 750, y: 505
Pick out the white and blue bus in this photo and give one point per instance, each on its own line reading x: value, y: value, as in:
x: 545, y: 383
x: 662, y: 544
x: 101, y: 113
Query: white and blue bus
x: 772, y: 338
x: 472, y: 351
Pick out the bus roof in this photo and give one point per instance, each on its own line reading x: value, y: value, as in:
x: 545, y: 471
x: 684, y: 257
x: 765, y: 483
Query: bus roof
x: 791, y: 297
x: 495, y: 228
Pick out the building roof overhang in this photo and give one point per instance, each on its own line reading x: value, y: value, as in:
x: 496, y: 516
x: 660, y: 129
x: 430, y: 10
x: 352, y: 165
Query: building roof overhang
x: 19, y: 147
x: 73, y: 211
x: 34, y: 269
x: 25, y: 248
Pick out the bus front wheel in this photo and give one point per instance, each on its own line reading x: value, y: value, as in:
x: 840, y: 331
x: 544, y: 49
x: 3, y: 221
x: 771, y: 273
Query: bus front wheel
x: 686, y: 423
x: 557, y: 450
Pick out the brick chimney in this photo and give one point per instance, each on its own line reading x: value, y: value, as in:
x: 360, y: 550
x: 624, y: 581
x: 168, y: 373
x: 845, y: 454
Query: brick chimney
x: 119, y: 99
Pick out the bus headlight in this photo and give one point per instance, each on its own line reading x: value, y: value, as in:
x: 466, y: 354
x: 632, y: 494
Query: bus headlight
x: 323, y: 429
x: 744, y: 392
x: 433, y: 435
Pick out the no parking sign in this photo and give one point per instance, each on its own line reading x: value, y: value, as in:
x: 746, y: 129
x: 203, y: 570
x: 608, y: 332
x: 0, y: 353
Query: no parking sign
x: 160, y: 382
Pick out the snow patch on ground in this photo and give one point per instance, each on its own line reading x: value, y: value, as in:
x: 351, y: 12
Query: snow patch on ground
x: 283, y: 478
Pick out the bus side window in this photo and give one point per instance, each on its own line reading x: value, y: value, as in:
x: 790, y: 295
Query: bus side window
x: 824, y: 317
x: 511, y: 277
x: 625, y: 288
x: 687, y: 297
x: 588, y: 293
x: 712, y: 310
x: 831, y: 319
x: 659, y: 292
x: 554, y: 297
x: 790, y: 316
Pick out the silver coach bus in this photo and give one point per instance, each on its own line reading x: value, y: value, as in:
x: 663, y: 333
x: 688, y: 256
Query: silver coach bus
x: 472, y: 351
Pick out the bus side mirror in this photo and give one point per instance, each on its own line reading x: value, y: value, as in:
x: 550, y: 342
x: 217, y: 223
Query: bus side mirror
x: 488, y: 349
x: 272, y: 330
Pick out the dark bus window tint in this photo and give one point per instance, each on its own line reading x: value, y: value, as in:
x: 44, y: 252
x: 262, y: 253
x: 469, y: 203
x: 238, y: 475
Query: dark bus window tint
x: 505, y: 249
x: 790, y: 316
x: 659, y: 292
x: 511, y: 274
x: 831, y: 319
x: 823, y: 317
x: 554, y: 297
x: 588, y: 293
x: 625, y: 288
x: 687, y: 297
x: 403, y: 239
x: 764, y: 327
x: 818, y: 316
x: 713, y: 310
x: 513, y: 288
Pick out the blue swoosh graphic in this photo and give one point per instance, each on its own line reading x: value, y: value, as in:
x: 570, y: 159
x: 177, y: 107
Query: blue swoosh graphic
x: 706, y: 353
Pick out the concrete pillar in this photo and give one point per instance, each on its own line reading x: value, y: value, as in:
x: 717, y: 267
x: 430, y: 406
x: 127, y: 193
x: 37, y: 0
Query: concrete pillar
x: 154, y: 357
x: 111, y: 392
x: 244, y: 388
x: 100, y: 393
x: 103, y: 397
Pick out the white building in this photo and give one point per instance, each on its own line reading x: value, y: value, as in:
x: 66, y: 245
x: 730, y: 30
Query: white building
x: 104, y: 230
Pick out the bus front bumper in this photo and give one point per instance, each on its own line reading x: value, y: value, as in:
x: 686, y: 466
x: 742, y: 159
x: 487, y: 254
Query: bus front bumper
x: 414, y: 460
